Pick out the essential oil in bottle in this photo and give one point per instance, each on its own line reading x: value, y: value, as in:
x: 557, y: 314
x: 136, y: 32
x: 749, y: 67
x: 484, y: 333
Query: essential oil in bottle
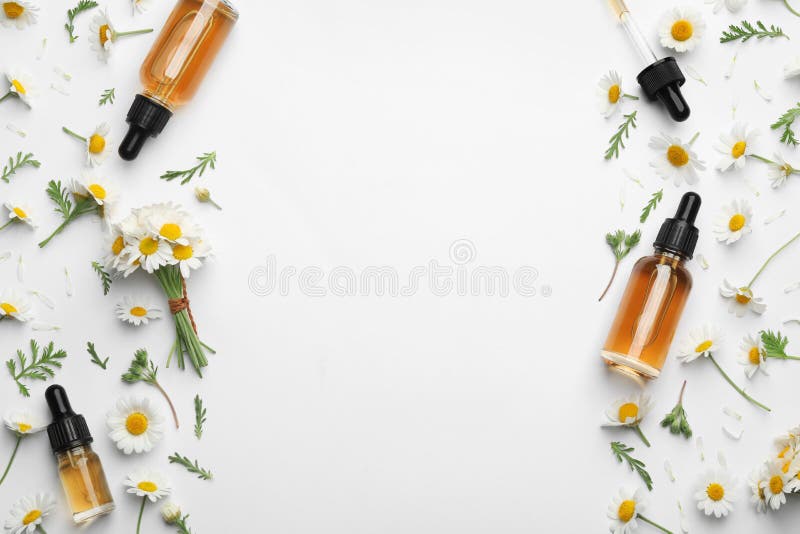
x: 654, y: 298
x: 79, y: 467
x: 175, y: 66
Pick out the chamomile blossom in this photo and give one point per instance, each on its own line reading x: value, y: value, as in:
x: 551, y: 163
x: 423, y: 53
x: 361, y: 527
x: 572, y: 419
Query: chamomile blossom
x: 751, y: 355
x: 757, y: 481
x: 137, y: 311
x: 21, y: 85
x: 741, y: 299
x: 703, y: 341
x: 18, y: 212
x: 735, y: 147
x: 15, y: 305
x: 98, y: 145
x: 103, y: 190
x: 625, y: 508
x: 28, y: 513
x: 788, y: 441
x: 714, y: 493
x: 103, y: 35
x: 135, y: 425
x: 676, y: 160
x: 19, y: 13
x: 147, y: 252
x: 792, y: 69
x: 610, y: 93
x: 113, y: 245
x: 681, y: 29
x: 151, y: 485
x: 776, y: 480
x: 22, y: 424
x: 172, y: 224
x: 779, y: 170
x: 188, y: 257
x: 733, y: 222
x: 734, y: 6
x: 629, y: 412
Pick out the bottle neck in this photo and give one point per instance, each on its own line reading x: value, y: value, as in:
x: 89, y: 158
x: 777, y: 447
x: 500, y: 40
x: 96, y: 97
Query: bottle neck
x: 669, y: 256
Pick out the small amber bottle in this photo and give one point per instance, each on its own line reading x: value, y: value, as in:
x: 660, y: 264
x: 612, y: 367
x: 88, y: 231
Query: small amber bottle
x: 175, y: 66
x: 79, y: 467
x: 654, y: 298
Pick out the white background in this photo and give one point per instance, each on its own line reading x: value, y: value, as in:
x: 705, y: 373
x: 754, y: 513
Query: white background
x: 360, y: 134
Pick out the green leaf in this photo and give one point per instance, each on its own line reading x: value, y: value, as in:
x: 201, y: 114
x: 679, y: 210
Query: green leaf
x: 83, y: 5
x: 621, y: 243
x: 199, y: 416
x: 190, y: 466
x: 775, y: 345
x: 622, y: 453
x: 42, y: 366
x: 95, y: 358
x: 651, y: 205
x: 208, y: 159
x: 105, y: 278
x: 747, y: 31
x: 676, y: 419
x: 107, y: 97
x: 617, y: 140
x: 60, y: 197
x: 141, y: 369
x: 786, y: 121
x: 13, y: 165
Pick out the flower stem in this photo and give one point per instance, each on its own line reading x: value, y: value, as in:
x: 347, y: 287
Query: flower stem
x: 7, y: 224
x: 734, y: 386
x: 134, y: 32
x: 611, y: 281
x: 790, y: 8
x: 41, y: 529
x: 694, y: 138
x: 632, y: 97
x: 638, y: 430
x: 211, y: 201
x: 141, y: 511
x: 761, y: 158
x: 7, y: 95
x: 169, y: 401
x: 654, y: 524
x: 73, y: 134
x: 55, y: 232
x: 683, y: 388
x: 784, y: 357
x: 771, y: 258
x: 11, y: 460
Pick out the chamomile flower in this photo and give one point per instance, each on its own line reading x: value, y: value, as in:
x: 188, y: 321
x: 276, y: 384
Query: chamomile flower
x: 788, y: 441
x: 751, y: 355
x: 172, y: 224
x: 113, y: 245
x: 137, y: 311
x: 21, y: 85
x: 103, y: 35
x: 742, y: 299
x: 102, y: 189
x: 610, y: 94
x: 676, y: 161
x: 779, y: 170
x: 135, y: 425
x: 188, y: 257
x: 733, y: 222
x: 776, y: 480
x: 703, y: 341
x: 625, y: 508
x: 23, y: 423
x: 757, y: 481
x: 792, y: 69
x: 681, y: 29
x: 28, y: 513
x: 629, y: 412
x: 15, y: 305
x: 151, y: 485
x: 147, y: 252
x: 714, y: 493
x: 733, y: 6
x: 19, y: 13
x: 735, y: 147
x: 97, y: 144
x: 18, y: 212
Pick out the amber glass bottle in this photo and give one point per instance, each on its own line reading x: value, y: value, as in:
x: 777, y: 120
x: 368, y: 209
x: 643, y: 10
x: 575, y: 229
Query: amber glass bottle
x: 79, y: 468
x: 651, y: 306
x: 176, y: 65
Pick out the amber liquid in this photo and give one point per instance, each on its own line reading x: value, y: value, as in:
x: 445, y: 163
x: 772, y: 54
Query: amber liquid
x: 648, y: 316
x: 182, y: 54
x: 84, y: 483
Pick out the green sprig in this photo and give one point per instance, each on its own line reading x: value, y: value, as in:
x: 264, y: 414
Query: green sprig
x: 617, y: 140
x: 775, y: 345
x: 747, y: 31
x: 651, y: 205
x: 623, y: 453
x: 107, y: 97
x: 83, y: 5
x: 786, y: 121
x: 13, y: 165
x: 621, y: 244
x: 208, y: 159
x: 41, y: 366
x: 95, y: 358
x: 676, y: 419
x: 192, y: 467
x: 199, y: 416
x: 142, y: 369
x: 105, y: 278
x: 64, y: 206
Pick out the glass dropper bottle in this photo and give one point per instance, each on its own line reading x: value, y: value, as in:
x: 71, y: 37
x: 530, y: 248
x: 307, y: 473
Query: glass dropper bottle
x: 660, y: 79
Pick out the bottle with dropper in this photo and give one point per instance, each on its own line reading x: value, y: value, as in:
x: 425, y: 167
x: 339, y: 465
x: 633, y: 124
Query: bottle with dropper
x: 660, y: 79
x: 175, y: 66
x: 79, y: 467
x: 654, y: 298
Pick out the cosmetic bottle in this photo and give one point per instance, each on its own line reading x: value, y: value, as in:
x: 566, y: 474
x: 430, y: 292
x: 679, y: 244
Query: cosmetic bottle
x: 175, y: 67
x: 660, y: 79
x: 79, y: 468
x: 654, y: 298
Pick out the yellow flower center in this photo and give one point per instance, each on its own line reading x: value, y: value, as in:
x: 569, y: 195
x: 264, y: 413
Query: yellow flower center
x: 626, y: 511
x: 776, y: 484
x: 737, y: 222
x: 754, y: 356
x: 138, y: 311
x: 677, y: 155
x: 105, y: 31
x: 171, y: 231
x: 97, y: 191
x: 614, y: 92
x: 136, y: 423
x: 31, y: 516
x: 715, y: 491
x: 24, y: 427
x: 682, y: 30
x: 148, y: 246
x: 13, y: 10
x: 704, y: 346
x: 182, y: 252
x: 788, y: 169
x: 744, y: 296
x: 628, y: 410
x: 18, y: 86
x: 738, y: 149
x: 147, y: 486
x: 97, y: 143
x: 8, y: 308
x: 117, y: 245
x: 19, y: 212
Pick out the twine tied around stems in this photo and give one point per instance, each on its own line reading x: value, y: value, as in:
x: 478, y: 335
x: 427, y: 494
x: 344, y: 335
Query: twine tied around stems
x: 182, y: 303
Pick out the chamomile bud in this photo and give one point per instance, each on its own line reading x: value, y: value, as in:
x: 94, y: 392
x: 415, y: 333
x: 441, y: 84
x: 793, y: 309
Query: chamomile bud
x: 204, y: 195
x: 170, y: 512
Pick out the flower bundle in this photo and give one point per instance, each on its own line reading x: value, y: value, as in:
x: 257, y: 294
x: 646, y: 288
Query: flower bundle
x: 777, y: 476
x: 163, y: 240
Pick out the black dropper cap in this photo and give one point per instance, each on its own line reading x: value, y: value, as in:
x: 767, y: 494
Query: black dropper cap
x: 147, y: 118
x: 68, y: 429
x: 662, y: 81
x: 679, y: 234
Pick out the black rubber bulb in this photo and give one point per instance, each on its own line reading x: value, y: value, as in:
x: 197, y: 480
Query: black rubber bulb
x: 58, y: 402
x: 688, y: 208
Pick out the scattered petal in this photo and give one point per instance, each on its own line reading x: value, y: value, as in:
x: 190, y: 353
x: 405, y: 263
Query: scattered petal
x: 57, y: 87
x: 703, y: 261
x: 668, y: 469
x: 68, y: 282
x: 772, y: 218
x: 43, y: 298
x: 733, y: 433
x: 730, y: 412
x: 731, y: 66
x: 20, y: 269
x: 763, y: 93
x: 694, y: 74
x: 61, y: 72
x: 699, y: 443
x: 723, y: 462
x: 13, y: 128
x: 45, y: 327
x: 792, y: 287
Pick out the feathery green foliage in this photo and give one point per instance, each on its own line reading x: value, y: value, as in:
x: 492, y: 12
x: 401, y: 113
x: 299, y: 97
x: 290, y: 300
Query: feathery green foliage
x: 83, y: 5
x: 208, y: 159
x: 95, y: 358
x: 199, y: 416
x: 41, y: 366
x: 617, y: 140
x: 786, y: 121
x: 105, y: 278
x: 13, y: 165
x: 651, y: 205
x: 190, y: 466
x: 748, y: 31
x: 623, y: 453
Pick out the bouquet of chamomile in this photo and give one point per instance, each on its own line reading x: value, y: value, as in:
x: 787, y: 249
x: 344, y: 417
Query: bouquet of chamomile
x: 163, y: 240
